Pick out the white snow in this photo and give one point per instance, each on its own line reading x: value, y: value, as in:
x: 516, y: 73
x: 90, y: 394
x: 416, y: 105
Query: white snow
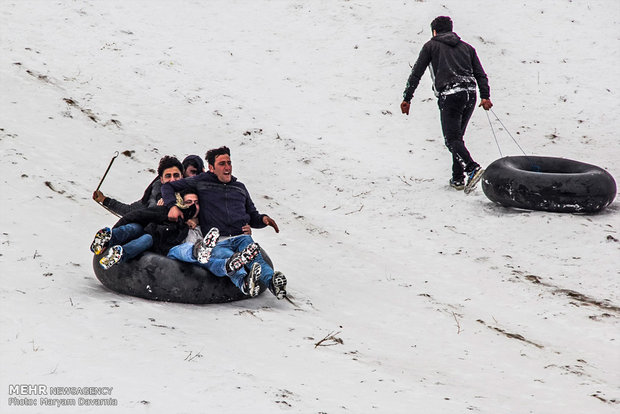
x: 435, y: 302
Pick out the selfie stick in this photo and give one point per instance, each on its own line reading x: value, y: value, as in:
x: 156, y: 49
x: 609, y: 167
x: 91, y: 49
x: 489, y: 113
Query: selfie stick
x: 106, y: 171
x: 103, y: 178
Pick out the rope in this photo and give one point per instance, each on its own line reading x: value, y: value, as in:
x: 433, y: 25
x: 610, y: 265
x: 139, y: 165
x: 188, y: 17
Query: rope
x: 494, y: 136
x: 505, y: 129
x: 109, y: 210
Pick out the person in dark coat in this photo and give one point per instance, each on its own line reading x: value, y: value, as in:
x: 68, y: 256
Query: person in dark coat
x: 455, y: 70
x: 169, y: 169
x: 147, y: 229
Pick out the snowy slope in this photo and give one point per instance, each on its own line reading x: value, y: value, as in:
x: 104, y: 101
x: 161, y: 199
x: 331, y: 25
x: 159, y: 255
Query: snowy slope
x: 435, y: 302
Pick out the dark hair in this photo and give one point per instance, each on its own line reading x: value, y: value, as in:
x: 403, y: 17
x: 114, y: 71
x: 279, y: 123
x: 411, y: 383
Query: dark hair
x: 442, y: 24
x: 187, y: 191
x: 212, y: 154
x: 168, y: 162
x: 195, y: 161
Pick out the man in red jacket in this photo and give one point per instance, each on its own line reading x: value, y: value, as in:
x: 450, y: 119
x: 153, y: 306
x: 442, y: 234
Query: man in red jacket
x: 455, y: 70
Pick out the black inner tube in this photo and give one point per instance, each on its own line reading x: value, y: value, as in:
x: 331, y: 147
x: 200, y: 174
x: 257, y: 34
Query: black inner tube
x: 156, y: 277
x: 548, y: 184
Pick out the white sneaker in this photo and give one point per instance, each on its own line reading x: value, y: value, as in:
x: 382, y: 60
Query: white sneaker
x: 203, y: 252
x: 240, y: 259
x: 250, y: 283
x: 472, y: 179
x: 277, y: 286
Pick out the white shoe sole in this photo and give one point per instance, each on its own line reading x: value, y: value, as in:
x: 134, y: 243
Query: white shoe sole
x: 255, y: 273
x: 279, y: 285
x: 101, y: 240
x: 471, y: 185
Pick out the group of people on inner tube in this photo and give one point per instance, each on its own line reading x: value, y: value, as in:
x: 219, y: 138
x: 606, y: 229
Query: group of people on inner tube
x: 196, y: 216
x: 164, y: 220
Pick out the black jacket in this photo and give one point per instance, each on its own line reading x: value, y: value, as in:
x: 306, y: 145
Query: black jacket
x: 154, y: 220
x: 228, y: 206
x: 453, y: 64
x: 149, y: 199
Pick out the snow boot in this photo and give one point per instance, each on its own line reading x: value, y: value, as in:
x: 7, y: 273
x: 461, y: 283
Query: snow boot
x: 113, y: 257
x: 202, y: 249
x: 277, y: 286
x: 100, y: 242
x: 250, y: 282
x: 472, y: 179
x: 240, y: 259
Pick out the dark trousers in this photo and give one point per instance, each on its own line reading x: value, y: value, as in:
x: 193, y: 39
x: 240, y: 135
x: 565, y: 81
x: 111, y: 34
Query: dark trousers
x: 455, y: 110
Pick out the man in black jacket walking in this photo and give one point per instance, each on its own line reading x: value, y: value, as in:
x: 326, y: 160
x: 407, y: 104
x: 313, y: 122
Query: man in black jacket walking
x: 455, y: 70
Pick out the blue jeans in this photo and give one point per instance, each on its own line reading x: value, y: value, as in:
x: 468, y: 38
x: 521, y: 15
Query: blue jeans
x: 133, y: 240
x: 183, y: 253
x: 220, y: 254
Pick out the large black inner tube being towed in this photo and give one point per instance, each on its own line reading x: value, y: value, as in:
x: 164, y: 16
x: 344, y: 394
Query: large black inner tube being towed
x: 156, y: 277
x: 548, y: 184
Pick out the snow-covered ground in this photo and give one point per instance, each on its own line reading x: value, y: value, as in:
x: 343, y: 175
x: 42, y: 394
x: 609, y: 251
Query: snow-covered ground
x: 428, y: 300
